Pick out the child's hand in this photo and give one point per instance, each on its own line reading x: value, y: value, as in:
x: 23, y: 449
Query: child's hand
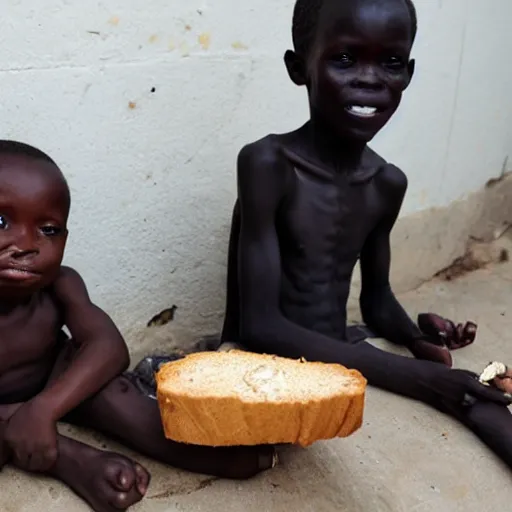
x: 31, y: 437
x: 504, y: 382
x: 457, y: 389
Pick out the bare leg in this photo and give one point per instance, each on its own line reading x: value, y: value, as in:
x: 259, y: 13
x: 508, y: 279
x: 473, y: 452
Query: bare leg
x: 122, y: 412
x: 106, y: 481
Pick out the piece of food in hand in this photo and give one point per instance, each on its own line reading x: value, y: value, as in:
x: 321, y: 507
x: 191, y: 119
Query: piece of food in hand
x: 240, y: 398
x: 498, y: 375
x: 491, y: 371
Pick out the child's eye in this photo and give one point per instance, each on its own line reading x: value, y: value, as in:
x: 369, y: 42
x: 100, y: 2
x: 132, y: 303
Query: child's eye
x: 345, y: 60
x: 3, y: 222
x: 395, y: 63
x: 51, y: 230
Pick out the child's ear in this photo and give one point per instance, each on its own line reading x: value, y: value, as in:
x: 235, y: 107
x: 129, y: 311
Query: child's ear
x: 411, y: 66
x: 296, y: 67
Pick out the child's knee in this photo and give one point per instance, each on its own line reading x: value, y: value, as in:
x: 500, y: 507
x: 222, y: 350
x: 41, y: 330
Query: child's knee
x: 119, y: 386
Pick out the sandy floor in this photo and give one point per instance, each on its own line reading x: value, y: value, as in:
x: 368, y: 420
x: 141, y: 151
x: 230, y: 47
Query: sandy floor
x: 406, y: 458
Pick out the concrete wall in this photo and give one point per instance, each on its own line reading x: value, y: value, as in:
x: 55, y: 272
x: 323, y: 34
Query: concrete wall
x: 145, y: 105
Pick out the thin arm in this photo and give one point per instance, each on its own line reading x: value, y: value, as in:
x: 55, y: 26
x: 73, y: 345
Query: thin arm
x: 102, y: 354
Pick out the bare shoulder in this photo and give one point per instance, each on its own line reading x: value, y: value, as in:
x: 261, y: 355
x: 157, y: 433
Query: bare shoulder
x: 264, y: 157
x: 390, y: 179
x: 70, y: 287
x: 262, y: 170
x: 394, y: 179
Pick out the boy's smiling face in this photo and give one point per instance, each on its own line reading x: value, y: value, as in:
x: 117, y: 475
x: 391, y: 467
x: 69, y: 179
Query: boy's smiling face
x: 34, y: 207
x: 358, y: 65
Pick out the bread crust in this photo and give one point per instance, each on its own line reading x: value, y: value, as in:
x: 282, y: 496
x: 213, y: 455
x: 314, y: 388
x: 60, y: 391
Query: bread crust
x: 277, y: 403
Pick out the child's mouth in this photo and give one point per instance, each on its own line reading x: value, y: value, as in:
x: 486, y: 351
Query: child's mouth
x: 18, y: 274
x: 362, y: 111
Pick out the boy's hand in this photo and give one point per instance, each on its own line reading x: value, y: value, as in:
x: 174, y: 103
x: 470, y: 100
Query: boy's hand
x: 31, y: 437
x: 457, y: 389
x: 444, y: 332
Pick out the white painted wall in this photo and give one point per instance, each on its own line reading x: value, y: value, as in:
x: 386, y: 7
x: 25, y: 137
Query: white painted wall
x: 152, y: 173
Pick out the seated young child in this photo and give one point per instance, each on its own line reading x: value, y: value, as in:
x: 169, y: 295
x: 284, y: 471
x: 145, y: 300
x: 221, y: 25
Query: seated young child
x: 314, y: 201
x: 46, y: 377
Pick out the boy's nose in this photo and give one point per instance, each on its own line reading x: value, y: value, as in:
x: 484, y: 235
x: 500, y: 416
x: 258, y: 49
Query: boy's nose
x: 367, y: 78
x: 19, y: 253
x: 24, y: 244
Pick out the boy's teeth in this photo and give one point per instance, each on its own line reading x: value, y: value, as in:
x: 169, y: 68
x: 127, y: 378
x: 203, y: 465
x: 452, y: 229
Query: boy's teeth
x: 362, y: 111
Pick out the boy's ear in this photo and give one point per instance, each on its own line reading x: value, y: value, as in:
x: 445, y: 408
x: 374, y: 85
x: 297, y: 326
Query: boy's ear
x: 411, y: 66
x: 296, y: 67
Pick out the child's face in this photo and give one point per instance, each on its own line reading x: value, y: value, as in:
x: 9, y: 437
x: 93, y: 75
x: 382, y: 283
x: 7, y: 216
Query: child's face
x: 33, y: 217
x: 359, y: 65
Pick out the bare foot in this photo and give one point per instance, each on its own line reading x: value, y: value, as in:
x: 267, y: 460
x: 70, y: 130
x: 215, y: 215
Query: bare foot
x: 422, y: 349
x: 106, y: 481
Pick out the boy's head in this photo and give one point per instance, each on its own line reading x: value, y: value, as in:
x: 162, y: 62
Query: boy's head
x: 354, y: 58
x: 34, y: 209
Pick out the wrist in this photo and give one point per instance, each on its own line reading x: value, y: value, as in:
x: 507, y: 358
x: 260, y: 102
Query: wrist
x: 44, y: 407
x: 423, y: 337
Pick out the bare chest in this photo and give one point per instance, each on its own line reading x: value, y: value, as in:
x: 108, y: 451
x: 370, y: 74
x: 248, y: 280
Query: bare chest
x: 28, y: 335
x: 325, y: 222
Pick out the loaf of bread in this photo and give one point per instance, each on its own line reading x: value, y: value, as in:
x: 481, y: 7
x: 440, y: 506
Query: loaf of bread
x: 240, y: 398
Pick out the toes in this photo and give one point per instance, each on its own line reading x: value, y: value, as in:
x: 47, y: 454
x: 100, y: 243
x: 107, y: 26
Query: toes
x: 124, y: 500
x: 120, y: 475
x: 142, y: 478
x: 120, y: 501
x: 123, y: 477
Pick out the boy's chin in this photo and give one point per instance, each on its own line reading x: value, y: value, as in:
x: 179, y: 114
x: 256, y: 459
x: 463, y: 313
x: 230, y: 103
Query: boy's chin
x: 362, y: 131
x: 17, y: 291
x: 358, y: 136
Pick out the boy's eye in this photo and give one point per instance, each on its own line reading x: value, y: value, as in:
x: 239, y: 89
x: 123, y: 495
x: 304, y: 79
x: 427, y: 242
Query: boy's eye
x: 51, y: 230
x: 3, y: 222
x: 345, y: 60
x: 395, y: 63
